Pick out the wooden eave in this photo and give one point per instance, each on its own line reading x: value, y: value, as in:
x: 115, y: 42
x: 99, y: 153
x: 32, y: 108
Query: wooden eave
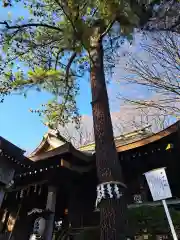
x: 40, y: 171
x: 45, y: 144
x: 64, y: 149
x: 10, y: 148
x: 155, y: 137
x: 26, y: 161
x: 39, y: 148
x: 13, y: 155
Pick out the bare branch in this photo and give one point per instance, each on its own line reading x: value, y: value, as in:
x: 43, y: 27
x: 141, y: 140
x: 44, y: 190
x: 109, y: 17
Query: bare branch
x: 157, y: 74
x: 172, y: 28
x: 30, y: 25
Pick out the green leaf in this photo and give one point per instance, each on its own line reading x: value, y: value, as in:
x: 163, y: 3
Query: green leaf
x: 129, y: 37
x: 20, y: 18
x: 5, y: 47
x: 89, y: 10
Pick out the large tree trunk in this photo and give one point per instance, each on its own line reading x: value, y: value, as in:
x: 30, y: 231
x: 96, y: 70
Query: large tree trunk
x: 112, y: 211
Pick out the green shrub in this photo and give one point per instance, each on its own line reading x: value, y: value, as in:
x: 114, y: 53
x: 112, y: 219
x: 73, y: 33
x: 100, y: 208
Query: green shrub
x: 89, y: 234
x: 152, y: 219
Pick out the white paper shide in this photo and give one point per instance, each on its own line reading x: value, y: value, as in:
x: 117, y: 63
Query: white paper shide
x: 158, y: 184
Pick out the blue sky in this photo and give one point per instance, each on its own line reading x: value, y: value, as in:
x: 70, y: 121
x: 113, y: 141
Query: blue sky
x: 17, y: 123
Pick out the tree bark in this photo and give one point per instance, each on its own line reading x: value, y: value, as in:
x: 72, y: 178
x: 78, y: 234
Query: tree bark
x: 113, y: 219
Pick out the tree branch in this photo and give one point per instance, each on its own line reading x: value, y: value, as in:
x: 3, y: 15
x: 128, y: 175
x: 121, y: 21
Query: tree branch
x: 107, y: 29
x: 73, y: 56
x: 30, y: 25
x: 174, y: 28
x: 171, y: 29
x: 69, y: 65
x: 57, y: 59
x: 72, y: 24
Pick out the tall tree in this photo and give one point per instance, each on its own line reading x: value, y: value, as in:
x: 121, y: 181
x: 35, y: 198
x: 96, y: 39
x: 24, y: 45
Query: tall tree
x: 60, y: 41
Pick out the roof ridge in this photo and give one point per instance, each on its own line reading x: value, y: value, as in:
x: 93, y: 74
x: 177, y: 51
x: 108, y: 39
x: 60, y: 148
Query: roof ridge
x: 135, y: 131
x: 119, y: 136
x: 51, y: 132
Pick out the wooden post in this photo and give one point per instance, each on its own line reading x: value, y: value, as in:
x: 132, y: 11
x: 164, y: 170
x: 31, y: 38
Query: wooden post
x: 2, y: 193
x: 17, y: 214
x: 6, y: 176
x: 51, y: 204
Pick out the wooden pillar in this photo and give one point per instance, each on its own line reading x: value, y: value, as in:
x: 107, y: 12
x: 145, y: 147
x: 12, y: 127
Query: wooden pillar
x: 2, y: 193
x: 51, y: 204
x: 6, y: 176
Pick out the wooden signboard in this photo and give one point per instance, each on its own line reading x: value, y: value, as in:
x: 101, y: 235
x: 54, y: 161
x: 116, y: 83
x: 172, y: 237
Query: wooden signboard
x: 160, y: 190
x: 158, y: 184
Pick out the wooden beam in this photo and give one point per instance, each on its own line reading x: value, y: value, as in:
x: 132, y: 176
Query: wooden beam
x: 26, y: 186
x: 79, y: 169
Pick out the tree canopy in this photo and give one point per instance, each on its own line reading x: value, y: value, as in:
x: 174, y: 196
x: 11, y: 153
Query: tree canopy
x: 49, y: 48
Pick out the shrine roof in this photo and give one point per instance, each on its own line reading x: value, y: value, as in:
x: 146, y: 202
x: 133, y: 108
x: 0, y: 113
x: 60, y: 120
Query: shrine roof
x: 63, y: 149
x: 124, y: 139
x: 51, y: 140
x: 7, y: 146
x: 54, y: 144
x: 137, y: 138
x: 13, y: 154
x: 66, y: 157
x: 152, y: 138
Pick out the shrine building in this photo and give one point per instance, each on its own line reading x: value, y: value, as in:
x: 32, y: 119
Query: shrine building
x: 56, y: 184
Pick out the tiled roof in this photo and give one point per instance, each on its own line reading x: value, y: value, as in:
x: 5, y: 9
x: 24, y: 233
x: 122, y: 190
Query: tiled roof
x: 123, y: 139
